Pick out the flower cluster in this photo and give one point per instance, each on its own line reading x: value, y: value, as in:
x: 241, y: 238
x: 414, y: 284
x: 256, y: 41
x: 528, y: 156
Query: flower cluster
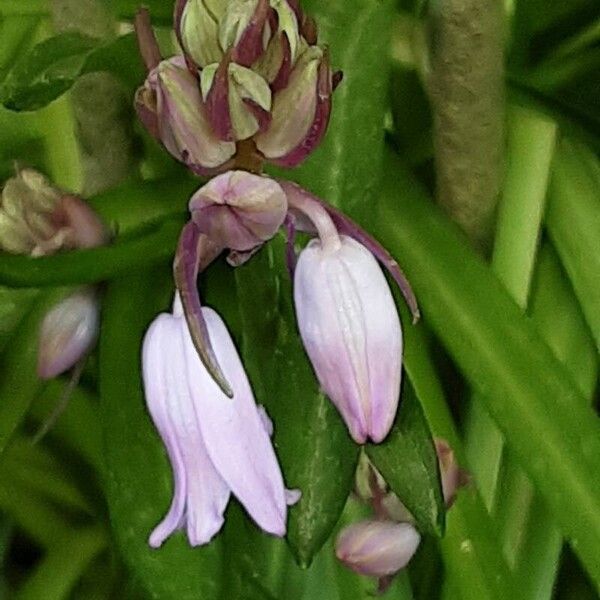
x: 252, y: 85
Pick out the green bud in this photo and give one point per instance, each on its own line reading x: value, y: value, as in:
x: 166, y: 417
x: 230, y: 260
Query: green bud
x: 245, y: 84
x: 200, y: 30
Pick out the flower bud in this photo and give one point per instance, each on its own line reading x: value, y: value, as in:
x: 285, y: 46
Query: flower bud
x: 239, y: 210
x: 351, y: 331
x: 68, y: 332
x: 377, y: 548
x: 37, y: 219
x: 300, y: 112
x: 238, y: 100
x: 198, y: 29
x: 244, y: 29
x: 453, y: 477
x: 171, y: 107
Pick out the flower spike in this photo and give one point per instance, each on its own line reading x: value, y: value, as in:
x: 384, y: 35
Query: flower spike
x: 186, y: 268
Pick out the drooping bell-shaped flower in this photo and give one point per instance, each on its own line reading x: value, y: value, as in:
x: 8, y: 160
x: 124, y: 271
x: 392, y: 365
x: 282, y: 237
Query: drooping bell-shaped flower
x: 68, y: 332
x: 348, y: 323
x: 171, y: 107
x: 351, y: 331
x: 217, y: 445
x: 377, y: 548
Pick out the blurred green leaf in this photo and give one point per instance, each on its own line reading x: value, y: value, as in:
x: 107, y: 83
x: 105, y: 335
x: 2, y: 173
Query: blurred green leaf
x: 315, y: 450
x: 346, y: 167
x: 19, y: 383
x: 573, y: 222
x: 138, y: 476
x: 93, y: 265
x: 41, y: 473
x: 408, y: 462
x: 526, y: 390
x: 530, y: 534
x: 64, y: 563
x: 51, y: 67
x: 14, y: 305
x: 78, y: 427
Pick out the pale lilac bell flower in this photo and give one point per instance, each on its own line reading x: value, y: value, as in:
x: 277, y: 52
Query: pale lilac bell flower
x: 349, y: 325
x: 377, y: 548
x: 68, y: 332
x: 216, y: 445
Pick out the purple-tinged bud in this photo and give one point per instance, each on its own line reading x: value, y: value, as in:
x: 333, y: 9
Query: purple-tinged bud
x: 68, y: 332
x: 351, y: 331
x: 170, y: 106
x: 300, y: 112
x: 238, y: 100
x: 244, y: 29
x: 38, y: 219
x: 239, y: 210
x: 453, y: 477
x: 377, y: 548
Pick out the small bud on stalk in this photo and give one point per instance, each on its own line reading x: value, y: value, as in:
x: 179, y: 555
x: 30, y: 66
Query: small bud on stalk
x: 377, y: 548
x: 68, y: 332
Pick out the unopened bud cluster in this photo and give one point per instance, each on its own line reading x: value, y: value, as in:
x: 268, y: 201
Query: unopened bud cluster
x: 251, y: 70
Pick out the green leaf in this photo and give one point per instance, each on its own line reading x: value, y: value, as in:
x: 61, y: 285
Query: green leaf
x: 138, y: 475
x: 19, y: 383
x: 408, y: 462
x: 52, y: 67
x: 14, y: 305
x: 526, y: 390
x: 573, y: 222
x: 345, y: 169
x: 93, y: 265
x: 315, y: 450
x: 55, y: 576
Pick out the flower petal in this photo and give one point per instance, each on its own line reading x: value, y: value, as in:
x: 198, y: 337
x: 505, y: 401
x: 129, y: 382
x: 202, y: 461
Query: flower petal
x: 351, y: 331
x: 233, y: 431
x: 200, y: 494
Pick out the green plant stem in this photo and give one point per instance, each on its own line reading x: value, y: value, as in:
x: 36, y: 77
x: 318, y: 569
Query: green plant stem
x: 531, y: 141
x: 573, y: 222
x: 56, y: 125
x: 582, y: 39
x: 78, y: 427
